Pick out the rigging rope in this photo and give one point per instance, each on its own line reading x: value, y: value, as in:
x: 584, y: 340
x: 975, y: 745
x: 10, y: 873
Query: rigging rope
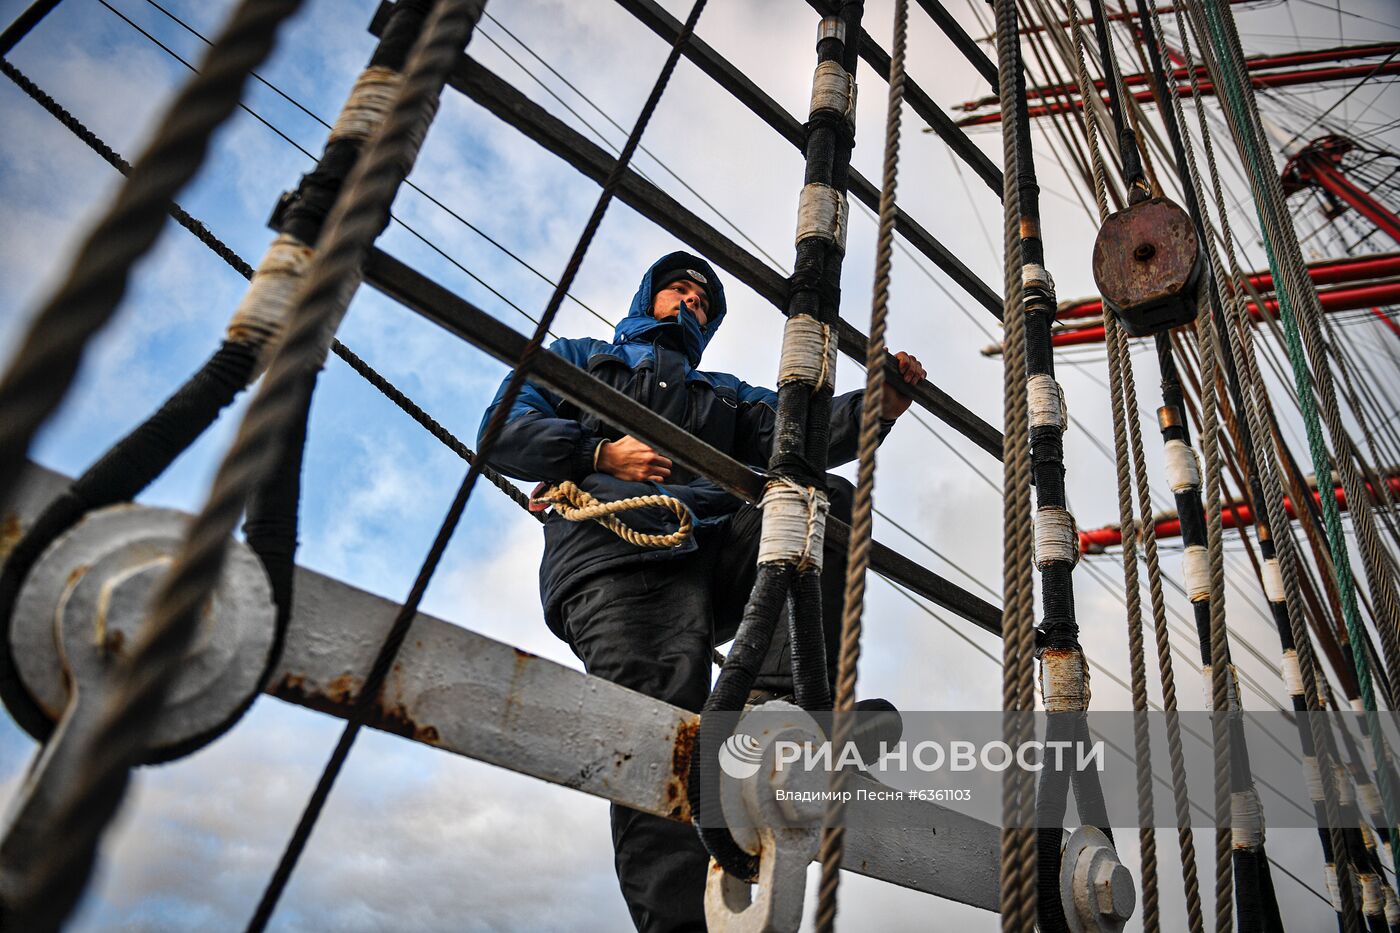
x: 242, y: 267
x: 1121, y: 364
x: 858, y: 558
x: 1297, y: 299
x: 402, y: 622
x: 1123, y: 402
x: 48, y: 358
x: 1294, y: 639
x: 1018, y: 836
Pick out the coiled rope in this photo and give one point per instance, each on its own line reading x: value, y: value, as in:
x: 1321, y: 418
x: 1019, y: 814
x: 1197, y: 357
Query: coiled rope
x: 577, y: 505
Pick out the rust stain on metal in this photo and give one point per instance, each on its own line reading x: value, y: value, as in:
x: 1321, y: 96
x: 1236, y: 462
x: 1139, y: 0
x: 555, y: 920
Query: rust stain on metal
x: 343, y: 689
x: 10, y: 533
x: 522, y: 660
x: 76, y: 574
x: 338, y: 697
x: 676, y: 783
x: 1146, y: 262
x: 335, y: 697
x: 397, y: 719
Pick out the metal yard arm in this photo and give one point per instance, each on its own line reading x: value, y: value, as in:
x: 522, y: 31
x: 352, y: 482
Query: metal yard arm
x: 464, y: 693
x: 474, y: 325
x: 474, y: 696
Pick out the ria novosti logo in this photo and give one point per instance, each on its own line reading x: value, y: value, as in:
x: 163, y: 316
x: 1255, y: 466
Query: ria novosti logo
x: 740, y: 755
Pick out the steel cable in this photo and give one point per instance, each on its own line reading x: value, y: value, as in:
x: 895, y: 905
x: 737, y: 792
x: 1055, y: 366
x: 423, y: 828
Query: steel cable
x: 52, y: 349
x: 1240, y: 340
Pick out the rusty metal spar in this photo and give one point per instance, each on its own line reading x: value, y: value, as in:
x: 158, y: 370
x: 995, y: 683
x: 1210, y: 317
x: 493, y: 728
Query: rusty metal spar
x: 464, y: 693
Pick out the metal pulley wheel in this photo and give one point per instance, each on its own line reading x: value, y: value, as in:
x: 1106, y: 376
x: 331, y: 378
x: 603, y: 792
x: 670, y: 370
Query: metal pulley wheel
x: 1147, y: 265
x: 83, y: 605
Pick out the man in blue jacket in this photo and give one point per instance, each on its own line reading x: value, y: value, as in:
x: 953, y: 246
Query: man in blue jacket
x: 648, y: 619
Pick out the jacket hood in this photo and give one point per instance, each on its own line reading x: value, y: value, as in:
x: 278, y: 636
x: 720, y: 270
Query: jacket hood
x: 639, y: 326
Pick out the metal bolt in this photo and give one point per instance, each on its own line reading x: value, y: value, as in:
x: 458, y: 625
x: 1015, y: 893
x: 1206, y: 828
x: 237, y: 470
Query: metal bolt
x: 1144, y: 252
x: 1113, y: 884
x: 792, y: 778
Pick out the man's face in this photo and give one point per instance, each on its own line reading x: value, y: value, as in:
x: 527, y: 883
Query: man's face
x: 667, y: 305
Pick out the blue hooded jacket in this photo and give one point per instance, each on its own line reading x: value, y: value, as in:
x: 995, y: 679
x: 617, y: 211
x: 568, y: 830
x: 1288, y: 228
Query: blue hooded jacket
x: 549, y: 439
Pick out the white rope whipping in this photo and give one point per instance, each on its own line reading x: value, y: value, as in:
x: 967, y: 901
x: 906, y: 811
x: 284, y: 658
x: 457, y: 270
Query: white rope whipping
x: 833, y: 88
x: 1273, y: 582
x: 370, y: 101
x: 1034, y: 275
x: 1232, y: 688
x: 1292, y: 674
x: 1056, y: 537
x: 258, y: 320
x: 809, y: 353
x: 1195, y: 567
x: 1182, y: 466
x: 1330, y: 877
x: 1064, y: 683
x: 1372, y: 901
x: 794, y: 524
x: 821, y: 212
x: 1246, y: 820
x: 1312, y: 776
x: 1047, y: 402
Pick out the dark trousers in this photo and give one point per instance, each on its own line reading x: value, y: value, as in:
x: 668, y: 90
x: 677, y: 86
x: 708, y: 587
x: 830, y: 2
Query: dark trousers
x: 652, y: 628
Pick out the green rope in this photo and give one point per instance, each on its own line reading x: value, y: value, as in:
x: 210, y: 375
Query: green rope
x: 1302, y: 377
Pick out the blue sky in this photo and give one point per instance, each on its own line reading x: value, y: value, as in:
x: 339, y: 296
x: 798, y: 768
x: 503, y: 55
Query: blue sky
x: 414, y: 838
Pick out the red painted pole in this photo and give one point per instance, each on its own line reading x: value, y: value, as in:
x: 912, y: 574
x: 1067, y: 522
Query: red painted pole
x: 1387, y: 320
x: 1327, y: 272
x: 1272, y: 79
x: 1325, y: 173
x: 1255, y: 64
x: 1098, y: 539
x: 1333, y: 300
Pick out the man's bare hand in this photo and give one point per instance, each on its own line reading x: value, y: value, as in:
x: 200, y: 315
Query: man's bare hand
x: 894, y: 403
x: 628, y: 458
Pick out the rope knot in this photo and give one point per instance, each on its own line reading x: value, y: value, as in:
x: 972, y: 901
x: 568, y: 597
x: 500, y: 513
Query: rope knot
x: 577, y: 505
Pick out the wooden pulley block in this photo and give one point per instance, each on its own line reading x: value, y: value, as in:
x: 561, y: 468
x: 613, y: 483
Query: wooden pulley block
x: 1147, y: 265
